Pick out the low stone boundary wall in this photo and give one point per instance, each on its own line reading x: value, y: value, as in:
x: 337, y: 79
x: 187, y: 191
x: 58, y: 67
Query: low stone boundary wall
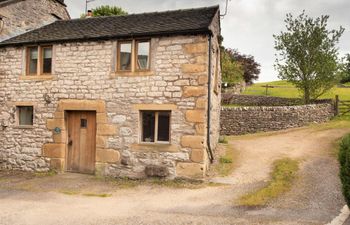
x: 255, y: 100
x: 244, y: 120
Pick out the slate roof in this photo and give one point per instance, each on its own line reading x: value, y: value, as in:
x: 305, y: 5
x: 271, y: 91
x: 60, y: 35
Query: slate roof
x: 188, y: 21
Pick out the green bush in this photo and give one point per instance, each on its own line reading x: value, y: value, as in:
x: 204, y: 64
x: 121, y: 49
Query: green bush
x: 344, y: 161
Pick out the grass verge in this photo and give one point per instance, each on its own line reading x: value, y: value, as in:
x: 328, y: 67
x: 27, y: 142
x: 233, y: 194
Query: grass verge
x: 103, y: 195
x: 226, y: 164
x: 283, y: 174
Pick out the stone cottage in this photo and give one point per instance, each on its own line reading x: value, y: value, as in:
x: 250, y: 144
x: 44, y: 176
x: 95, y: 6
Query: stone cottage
x: 131, y: 96
x: 20, y: 16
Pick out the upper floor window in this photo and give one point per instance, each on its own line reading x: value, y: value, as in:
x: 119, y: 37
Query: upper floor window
x: 142, y: 49
x: 39, y: 60
x: 133, y: 55
x: 124, y: 55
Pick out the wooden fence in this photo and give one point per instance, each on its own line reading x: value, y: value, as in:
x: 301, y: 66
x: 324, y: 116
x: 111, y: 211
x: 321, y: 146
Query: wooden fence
x: 341, y: 107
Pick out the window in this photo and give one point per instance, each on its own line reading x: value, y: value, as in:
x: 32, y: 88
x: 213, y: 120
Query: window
x: 155, y: 126
x: 47, y: 60
x: 39, y: 60
x: 124, y: 50
x: 133, y: 56
x: 33, y: 60
x: 142, y: 49
x: 25, y: 115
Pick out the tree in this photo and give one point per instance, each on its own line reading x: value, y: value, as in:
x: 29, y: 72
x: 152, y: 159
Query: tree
x: 251, y: 69
x: 232, y: 71
x: 106, y: 10
x: 308, y: 56
x: 345, y: 71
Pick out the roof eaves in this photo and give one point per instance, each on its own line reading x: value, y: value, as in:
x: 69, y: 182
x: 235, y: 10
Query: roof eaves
x: 103, y: 38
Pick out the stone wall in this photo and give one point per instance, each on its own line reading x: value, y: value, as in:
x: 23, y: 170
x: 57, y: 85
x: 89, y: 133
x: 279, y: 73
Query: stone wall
x: 215, y: 102
x: 244, y: 120
x: 22, y: 16
x: 234, y: 88
x: 259, y: 100
x: 84, y: 78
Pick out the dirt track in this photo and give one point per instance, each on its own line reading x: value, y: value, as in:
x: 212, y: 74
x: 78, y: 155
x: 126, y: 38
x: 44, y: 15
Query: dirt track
x: 314, y: 199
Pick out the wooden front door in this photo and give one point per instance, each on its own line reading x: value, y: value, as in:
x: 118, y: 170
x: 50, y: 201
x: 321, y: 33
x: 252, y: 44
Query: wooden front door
x: 81, y: 141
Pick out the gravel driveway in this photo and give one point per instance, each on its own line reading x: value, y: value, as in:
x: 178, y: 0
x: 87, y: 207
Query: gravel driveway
x: 314, y: 199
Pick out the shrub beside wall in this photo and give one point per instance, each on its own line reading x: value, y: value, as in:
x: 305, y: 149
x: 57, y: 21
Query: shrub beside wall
x: 244, y: 120
x: 344, y: 161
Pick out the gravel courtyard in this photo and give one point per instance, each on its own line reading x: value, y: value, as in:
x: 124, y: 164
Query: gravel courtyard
x: 315, y: 197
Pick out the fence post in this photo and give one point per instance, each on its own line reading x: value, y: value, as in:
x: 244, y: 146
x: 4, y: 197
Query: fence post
x: 336, y: 105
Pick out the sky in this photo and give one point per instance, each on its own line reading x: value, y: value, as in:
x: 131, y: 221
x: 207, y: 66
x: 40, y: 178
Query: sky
x: 248, y: 25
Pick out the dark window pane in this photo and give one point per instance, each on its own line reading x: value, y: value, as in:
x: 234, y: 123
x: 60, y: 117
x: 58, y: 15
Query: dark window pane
x: 25, y: 115
x: 163, y: 126
x: 125, y: 56
x: 143, y: 55
x: 83, y: 123
x: 47, y: 60
x: 33, y: 60
x: 148, y: 123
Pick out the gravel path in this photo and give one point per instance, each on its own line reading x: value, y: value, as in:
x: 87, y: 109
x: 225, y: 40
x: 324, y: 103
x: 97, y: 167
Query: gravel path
x: 314, y: 199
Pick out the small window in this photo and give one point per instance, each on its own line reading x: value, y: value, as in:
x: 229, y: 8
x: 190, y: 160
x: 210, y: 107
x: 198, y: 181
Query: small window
x: 143, y: 50
x: 47, y: 60
x: 83, y: 123
x: 25, y: 115
x: 124, y: 53
x: 155, y: 126
x: 32, y: 60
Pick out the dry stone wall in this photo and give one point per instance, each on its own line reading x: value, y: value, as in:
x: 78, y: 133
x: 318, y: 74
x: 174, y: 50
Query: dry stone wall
x: 259, y: 100
x: 244, y: 120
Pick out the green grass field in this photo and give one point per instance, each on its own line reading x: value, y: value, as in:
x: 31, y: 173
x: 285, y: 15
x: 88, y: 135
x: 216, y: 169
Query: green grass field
x: 287, y: 90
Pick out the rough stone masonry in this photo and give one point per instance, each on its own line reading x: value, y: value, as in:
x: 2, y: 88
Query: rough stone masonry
x: 84, y: 78
x: 20, y: 16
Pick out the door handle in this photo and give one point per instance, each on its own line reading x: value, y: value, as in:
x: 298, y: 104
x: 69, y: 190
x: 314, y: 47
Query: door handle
x: 70, y: 142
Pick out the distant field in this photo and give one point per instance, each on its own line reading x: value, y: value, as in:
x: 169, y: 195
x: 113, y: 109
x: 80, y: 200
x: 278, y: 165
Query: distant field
x: 287, y: 90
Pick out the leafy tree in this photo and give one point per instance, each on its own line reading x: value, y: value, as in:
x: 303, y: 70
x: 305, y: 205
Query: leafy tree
x: 232, y: 71
x: 251, y: 69
x: 308, y: 56
x: 345, y: 72
x: 106, y: 10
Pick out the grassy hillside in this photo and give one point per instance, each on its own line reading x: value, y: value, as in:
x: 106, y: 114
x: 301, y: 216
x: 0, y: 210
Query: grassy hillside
x: 287, y: 90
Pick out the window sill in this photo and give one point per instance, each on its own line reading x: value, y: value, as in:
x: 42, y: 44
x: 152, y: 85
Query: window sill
x: 24, y: 127
x: 36, y: 77
x: 151, y: 147
x: 132, y: 74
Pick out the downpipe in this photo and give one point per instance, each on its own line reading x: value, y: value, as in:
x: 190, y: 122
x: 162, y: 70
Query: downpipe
x: 209, y: 150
